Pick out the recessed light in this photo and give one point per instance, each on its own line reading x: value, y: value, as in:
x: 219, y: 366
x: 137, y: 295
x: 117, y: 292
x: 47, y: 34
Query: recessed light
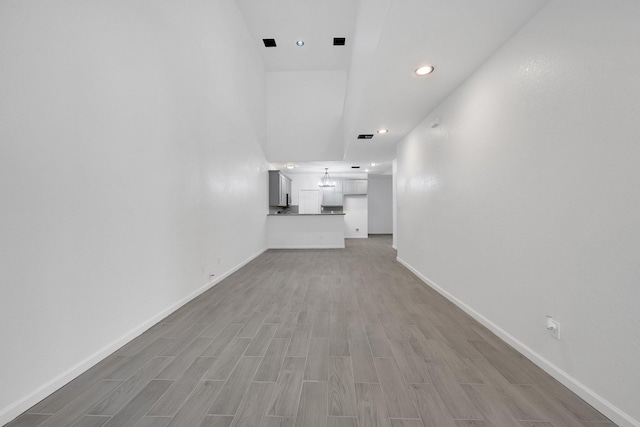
x: 290, y: 166
x: 300, y: 43
x: 366, y: 170
x: 424, y: 70
x: 372, y: 164
x: 383, y: 130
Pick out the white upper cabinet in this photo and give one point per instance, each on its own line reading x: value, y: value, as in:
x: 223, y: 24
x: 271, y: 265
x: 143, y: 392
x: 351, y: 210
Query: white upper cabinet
x: 354, y: 187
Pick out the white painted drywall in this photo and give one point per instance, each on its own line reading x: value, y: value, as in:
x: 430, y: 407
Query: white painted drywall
x: 356, y: 217
x: 130, y: 159
x: 524, y: 202
x: 304, y: 115
x: 380, y: 204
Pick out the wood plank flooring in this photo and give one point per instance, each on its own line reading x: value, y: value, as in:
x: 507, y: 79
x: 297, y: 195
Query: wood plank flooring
x: 316, y: 338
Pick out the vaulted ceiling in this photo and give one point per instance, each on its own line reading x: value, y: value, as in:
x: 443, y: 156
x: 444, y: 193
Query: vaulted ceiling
x: 320, y: 97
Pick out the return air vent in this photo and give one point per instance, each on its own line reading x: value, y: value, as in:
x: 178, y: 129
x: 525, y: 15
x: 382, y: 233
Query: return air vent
x: 355, y: 167
x: 269, y: 42
x: 365, y: 136
x: 338, y: 41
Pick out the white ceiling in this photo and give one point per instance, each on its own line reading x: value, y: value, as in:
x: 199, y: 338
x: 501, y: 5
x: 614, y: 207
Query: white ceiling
x: 316, y: 22
x: 336, y: 168
x: 385, y: 41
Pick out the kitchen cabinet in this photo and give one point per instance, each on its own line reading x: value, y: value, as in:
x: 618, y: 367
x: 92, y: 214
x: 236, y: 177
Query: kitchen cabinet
x: 332, y: 196
x: 354, y: 187
x: 279, y: 189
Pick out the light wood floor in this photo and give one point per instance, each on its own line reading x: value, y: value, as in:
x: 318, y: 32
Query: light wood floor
x: 330, y: 338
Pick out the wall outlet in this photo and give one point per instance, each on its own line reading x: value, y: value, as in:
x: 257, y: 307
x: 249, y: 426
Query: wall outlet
x: 553, y: 327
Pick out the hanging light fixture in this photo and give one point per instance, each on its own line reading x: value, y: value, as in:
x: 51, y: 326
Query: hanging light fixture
x: 326, y: 180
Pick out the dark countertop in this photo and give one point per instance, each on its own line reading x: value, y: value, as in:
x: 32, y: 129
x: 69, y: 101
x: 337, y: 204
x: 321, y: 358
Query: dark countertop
x: 297, y: 214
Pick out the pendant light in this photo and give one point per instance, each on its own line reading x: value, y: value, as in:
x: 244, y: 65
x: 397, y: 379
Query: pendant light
x: 326, y: 180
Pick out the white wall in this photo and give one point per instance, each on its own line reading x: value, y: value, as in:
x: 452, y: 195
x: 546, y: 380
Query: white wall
x: 525, y: 202
x: 380, y: 204
x: 304, y: 115
x: 125, y: 151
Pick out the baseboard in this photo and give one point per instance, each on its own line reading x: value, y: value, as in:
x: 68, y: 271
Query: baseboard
x: 614, y: 413
x: 309, y: 247
x: 11, y: 412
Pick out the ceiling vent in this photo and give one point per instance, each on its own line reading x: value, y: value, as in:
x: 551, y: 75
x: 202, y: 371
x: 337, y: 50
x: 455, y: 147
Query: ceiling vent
x: 355, y: 167
x: 338, y: 41
x: 269, y: 42
x: 365, y: 136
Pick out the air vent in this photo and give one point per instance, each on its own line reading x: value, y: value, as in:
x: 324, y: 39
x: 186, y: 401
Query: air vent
x: 338, y: 41
x: 365, y: 136
x: 355, y: 167
x: 269, y: 42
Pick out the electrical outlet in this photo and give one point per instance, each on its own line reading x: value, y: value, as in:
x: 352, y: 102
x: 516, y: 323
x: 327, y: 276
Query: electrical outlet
x: 553, y: 326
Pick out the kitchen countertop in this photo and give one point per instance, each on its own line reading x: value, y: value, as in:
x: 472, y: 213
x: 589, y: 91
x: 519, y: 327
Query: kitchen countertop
x: 297, y: 214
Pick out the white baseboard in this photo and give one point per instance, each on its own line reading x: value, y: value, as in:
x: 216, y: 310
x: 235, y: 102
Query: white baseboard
x: 14, y: 410
x: 309, y: 247
x: 614, y: 413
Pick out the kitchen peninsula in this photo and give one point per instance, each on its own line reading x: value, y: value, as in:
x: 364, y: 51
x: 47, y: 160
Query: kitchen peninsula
x: 306, y: 215
x: 305, y: 231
